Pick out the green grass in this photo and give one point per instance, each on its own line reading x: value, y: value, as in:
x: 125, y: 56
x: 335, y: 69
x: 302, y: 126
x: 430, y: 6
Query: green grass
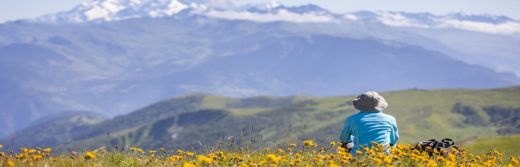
x: 509, y: 145
x: 420, y: 114
x: 426, y: 114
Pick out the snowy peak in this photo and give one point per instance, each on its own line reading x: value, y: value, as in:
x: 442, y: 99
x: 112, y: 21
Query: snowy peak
x: 113, y: 10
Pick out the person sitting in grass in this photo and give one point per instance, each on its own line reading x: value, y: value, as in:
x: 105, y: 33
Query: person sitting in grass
x: 370, y: 124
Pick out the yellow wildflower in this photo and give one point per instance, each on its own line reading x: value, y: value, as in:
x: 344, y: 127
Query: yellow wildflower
x: 266, y: 149
x: 190, y: 154
x: 332, y: 164
x: 138, y: 150
x: 188, y: 164
x: 37, y: 157
x: 388, y: 160
x: 174, y: 158
x: 319, y: 158
x: 9, y: 163
x: 205, y: 159
x: 377, y: 161
x: 431, y: 163
x: 21, y: 156
x: 402, y: 155
x: 263, y: 162
x: 514, y: 161
x: 90, y: 155
x: 297, y: 155
x: 290, y: 149
x: 323, y: 149
x: 24, y: 150
x: 273, y: 158
x: 309, y: 143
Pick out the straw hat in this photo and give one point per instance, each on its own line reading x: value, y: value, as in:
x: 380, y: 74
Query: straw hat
x: 370, y: 101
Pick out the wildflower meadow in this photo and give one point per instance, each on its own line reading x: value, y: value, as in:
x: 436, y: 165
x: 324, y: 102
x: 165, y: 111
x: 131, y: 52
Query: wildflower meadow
x: 305, y: 153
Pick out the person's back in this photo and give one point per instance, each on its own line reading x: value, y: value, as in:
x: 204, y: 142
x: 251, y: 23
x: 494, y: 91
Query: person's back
x: 370, y: 124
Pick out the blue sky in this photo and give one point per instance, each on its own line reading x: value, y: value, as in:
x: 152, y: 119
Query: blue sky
x: 17, y: 9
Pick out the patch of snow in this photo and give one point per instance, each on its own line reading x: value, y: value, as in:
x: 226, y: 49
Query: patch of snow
x: 111, y: 6
x: 175, y: 7
x: 281, y: 15
x: 96, y: 13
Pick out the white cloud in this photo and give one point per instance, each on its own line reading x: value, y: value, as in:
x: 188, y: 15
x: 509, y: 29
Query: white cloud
x: 501, y: 28
x: 282, y: 15
x: 350, y: 17
x: 398, y: 20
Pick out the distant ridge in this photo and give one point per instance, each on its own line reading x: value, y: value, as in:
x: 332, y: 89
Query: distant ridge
x: 66, y: 115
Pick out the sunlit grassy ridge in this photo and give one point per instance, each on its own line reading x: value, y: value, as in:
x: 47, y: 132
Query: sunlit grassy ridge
x: 196, y: 121
x: 509, y: 145
x: 307, y: 153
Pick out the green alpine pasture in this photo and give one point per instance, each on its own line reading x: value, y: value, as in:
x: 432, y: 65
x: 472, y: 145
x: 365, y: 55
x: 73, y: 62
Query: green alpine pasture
x: 199, y: 121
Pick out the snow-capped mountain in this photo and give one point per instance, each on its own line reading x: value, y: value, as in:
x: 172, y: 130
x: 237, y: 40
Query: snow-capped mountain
x: 114, y: 10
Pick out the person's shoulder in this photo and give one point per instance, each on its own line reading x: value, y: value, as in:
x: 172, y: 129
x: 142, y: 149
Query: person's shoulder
x: 388, y: 116
x: 353, y: 115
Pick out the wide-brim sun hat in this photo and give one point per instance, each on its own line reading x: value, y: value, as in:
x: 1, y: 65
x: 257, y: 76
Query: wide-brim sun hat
x: 370, y: 101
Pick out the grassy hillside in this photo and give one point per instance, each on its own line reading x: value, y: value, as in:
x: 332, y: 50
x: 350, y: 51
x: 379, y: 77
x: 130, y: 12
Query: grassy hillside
x: 198, y: 121
x: 509, y: 145
x: 424, y: 114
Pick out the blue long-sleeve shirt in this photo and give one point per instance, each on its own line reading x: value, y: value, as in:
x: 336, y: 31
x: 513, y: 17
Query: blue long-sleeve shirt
x: 366, y: 127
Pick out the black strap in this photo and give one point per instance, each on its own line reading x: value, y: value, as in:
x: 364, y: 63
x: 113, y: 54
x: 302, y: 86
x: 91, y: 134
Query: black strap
x: 433, y: 143
x: 448, y: 142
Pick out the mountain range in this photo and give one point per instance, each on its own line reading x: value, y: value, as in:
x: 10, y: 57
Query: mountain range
x: 116, y: 56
